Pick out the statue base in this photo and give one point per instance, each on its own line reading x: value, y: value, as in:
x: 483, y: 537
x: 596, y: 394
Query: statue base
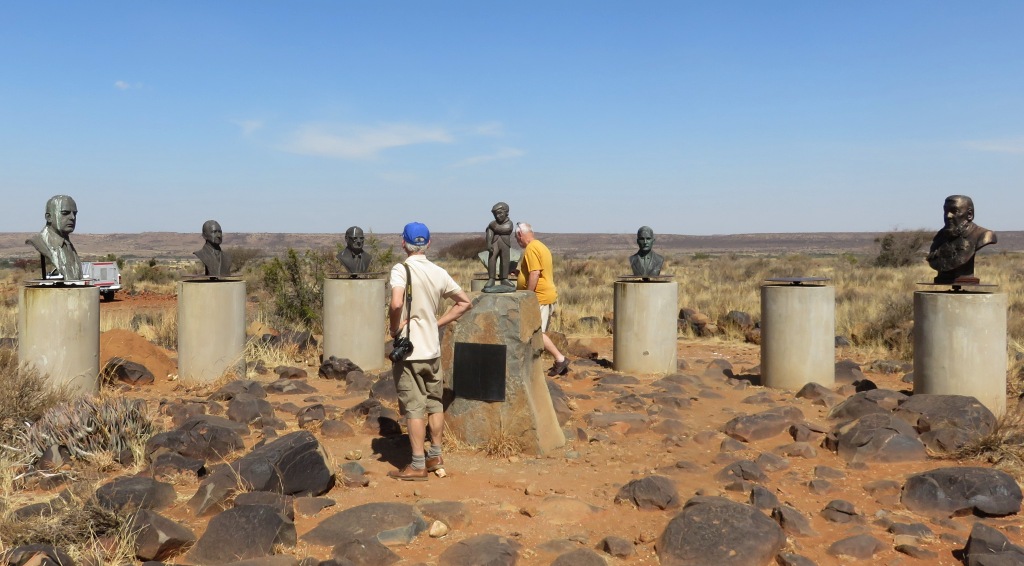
x: 960, y: 345
x: 211, y: 329
x: 354, y: 321
x: 59, y: 334
x: 526, y: 417
x: 504, y: 287
x: 798, y: 327
x: 645, y: 328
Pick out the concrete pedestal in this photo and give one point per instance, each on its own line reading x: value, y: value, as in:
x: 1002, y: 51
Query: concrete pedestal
x: 211, y: 329
x: 59, y: 335
x: 477, y: 285
x: 526, y: 416
x: 960, y: 345
x: 798, y: 331
x: 645, y: 328
x: 354, y: 321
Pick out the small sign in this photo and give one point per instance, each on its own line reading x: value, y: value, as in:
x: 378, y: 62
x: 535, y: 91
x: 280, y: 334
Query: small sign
x: 478, y: 371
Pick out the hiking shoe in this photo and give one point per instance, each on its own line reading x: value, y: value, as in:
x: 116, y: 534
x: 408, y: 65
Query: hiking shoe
x: 560, y: 368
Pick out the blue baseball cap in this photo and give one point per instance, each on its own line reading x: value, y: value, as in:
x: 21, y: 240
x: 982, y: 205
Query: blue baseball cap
x: 416, y: 234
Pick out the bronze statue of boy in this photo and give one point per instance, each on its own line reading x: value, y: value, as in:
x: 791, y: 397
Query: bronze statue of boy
x: 499, y: 243
x: 953, y: 248
x: 53, y: 243
x: 216, y: 261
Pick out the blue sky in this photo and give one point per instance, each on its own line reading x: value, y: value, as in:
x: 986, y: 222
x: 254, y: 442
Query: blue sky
x: 588, y: 116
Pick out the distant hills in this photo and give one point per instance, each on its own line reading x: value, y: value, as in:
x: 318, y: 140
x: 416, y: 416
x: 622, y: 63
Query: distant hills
x: 175, y: 245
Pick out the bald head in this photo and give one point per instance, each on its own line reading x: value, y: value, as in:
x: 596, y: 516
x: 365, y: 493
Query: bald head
x: 212, y: 233
x: 62, y: 214
x: 354, y: 239
x: 958, y: 212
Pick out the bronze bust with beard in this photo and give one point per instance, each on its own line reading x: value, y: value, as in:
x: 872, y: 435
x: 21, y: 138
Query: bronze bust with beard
x: 953, y: 248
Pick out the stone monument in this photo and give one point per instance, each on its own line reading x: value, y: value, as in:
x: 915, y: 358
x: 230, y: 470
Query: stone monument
x: 645, y: 262
x: 216, y: 262
x: 499, y: 243
x: 53, y: 243
x: 506, y: 324
x: 355, y: 260
x: 953, y: 248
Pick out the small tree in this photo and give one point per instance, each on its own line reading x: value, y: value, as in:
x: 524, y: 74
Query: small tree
x: 900, y: 248
x: 296, y: 284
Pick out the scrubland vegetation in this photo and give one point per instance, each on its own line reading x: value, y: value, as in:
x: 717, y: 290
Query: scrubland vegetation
x: 874, y: 311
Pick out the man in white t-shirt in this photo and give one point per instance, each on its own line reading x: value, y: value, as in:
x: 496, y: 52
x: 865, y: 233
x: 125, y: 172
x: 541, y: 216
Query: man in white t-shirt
x: 418, y: 378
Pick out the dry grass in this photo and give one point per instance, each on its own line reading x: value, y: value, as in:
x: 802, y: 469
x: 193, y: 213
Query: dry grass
x: 1003, y: 447
x: 25, y: 396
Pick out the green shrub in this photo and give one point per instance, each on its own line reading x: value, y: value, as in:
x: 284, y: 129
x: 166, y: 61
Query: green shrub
x: 295, y: 283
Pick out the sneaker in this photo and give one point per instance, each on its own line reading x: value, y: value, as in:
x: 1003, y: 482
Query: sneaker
x: 434, y: 464
x: 560, y: 368
x: 409, y: 473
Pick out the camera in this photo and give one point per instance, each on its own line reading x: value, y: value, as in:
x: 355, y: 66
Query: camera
x: 400, y: 349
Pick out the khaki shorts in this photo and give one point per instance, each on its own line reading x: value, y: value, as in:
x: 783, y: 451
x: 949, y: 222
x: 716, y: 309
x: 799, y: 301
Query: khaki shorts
x: 545, y: 316
x: 420, y: 387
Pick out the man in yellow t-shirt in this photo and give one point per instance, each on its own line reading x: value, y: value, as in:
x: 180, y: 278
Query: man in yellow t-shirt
x: 536, y: 274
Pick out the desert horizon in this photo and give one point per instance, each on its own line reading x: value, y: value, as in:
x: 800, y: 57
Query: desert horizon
x: 177, y: 245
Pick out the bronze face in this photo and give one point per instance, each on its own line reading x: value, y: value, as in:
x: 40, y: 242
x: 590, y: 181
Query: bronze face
x: 212, y: 232
x: 354, y: 239
x: 645, y: 239
x: 958, y: 212
x: 62, y: 214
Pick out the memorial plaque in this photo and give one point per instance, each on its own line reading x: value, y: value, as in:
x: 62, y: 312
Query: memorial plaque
x: 478, y: 371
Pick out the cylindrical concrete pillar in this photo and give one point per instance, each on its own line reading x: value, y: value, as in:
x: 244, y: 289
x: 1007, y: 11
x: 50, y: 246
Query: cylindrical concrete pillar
x: 59, y: 335
x: 798, y: 335
x: 355, y: 323
x: 960, y: 345
x: 477, y: 284
x: 211, y: 329
x: 645, y: 328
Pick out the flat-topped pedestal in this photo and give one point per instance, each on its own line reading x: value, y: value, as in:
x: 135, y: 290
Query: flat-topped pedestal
x: 211, y: 329
x: 354, y: 320
x: 798, y: 328
x: 645, y: 327
x: 59, y: 334
x: 960, y: 345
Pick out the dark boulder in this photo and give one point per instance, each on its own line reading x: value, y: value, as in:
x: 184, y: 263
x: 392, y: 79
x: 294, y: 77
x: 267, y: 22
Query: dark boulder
x: 391, y: 523
x: 241, y: 533
x: 481, y: 550
x: 714, y: 530
x: 130, y: 494
x: 651, y: 492
x: 958, y: 490
x: 157, y: 537
x: 120, y: 369
x: 878, y: 437
x: 337, y: 368
x: 765, y: 424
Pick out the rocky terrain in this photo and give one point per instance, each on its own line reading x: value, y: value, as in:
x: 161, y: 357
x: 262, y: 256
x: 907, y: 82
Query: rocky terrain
x: 698, y: 467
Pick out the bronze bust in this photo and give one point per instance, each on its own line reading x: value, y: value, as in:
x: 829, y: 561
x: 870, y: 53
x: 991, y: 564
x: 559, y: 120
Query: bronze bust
x: 216, y: 262
x: 645, y: 262
x: 953, y: 248
x: 353, y: 257
x: 53, y: 243
x: 499, y: 244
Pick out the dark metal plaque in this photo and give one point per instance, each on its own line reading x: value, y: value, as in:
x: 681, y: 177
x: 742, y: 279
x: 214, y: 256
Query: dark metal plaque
x: 478, y: 371
x: 797, y: 280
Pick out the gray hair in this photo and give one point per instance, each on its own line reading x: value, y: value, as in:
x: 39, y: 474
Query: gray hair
x: 523, y: 228
x: 411, y: 249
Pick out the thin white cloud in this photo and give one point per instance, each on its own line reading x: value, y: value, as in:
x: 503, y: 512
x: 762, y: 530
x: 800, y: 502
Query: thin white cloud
x: 1004, y: 145
x: 495, y: 129
x: 362, y: 142
x: 503, y: 153
x: 124, y: 85
x: 249, y: 126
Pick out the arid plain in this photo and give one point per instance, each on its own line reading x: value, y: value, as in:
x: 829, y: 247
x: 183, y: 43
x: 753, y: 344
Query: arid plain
x: 620, y: 428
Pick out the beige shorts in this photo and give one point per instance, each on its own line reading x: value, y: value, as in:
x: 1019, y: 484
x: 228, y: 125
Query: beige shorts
x: 545, y: 316
x: 420, y: 386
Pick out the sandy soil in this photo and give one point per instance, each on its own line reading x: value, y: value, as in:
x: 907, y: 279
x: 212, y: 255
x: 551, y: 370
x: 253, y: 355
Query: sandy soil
x: 535, y: 500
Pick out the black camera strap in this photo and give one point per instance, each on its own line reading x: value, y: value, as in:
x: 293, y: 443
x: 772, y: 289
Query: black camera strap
x: 408, y: 298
